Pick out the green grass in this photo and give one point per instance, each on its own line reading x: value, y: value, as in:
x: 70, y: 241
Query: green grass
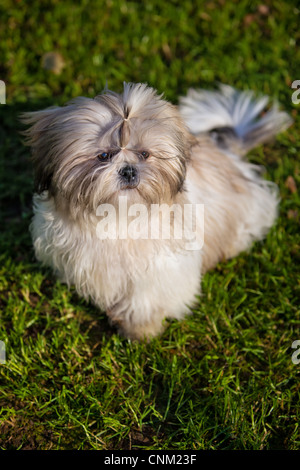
x: 221, y: 379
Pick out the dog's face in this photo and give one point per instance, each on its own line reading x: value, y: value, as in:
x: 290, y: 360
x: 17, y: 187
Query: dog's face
x: 91, y: 151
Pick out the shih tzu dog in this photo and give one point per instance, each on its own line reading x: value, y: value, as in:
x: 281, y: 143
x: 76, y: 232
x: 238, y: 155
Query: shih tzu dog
x: 105, y: 166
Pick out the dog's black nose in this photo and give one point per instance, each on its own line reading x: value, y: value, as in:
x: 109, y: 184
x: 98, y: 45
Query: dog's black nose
x: 129, y: 175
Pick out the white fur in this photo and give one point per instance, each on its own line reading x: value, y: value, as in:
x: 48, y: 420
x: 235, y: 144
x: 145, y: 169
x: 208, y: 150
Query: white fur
x: 106, y: 271
x: 204, y: 110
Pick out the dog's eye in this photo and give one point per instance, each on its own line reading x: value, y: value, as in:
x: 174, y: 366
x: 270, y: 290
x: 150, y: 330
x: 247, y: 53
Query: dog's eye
x: 145, y: 154
x: 105, y: 156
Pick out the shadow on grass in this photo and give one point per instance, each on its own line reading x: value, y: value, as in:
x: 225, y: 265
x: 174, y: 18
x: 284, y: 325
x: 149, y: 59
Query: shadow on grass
x: 16, y: 181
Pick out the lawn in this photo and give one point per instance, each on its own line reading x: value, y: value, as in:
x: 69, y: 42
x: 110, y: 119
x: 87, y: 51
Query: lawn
x: 224, y: 377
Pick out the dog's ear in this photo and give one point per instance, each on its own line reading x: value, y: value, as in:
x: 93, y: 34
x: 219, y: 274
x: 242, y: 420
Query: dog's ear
x: 40, y: 136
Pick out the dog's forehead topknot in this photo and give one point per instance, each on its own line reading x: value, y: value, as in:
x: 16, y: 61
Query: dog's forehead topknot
x: 132, y: 108
x: 135, y: 99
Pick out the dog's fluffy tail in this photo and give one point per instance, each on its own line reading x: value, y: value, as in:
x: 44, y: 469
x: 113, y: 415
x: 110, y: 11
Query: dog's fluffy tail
x: 232, y: 118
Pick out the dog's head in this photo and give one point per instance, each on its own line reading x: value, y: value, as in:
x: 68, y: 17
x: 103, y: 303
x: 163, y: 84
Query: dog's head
x: 91, y: 151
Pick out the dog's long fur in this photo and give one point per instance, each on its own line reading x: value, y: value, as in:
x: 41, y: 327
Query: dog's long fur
x: 194, y: 155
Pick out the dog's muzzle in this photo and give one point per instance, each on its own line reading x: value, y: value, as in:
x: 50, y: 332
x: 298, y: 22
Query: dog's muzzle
x: 129, y: 176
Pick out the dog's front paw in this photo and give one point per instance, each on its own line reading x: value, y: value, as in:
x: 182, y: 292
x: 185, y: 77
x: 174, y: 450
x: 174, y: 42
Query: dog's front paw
x: 140, y: 332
